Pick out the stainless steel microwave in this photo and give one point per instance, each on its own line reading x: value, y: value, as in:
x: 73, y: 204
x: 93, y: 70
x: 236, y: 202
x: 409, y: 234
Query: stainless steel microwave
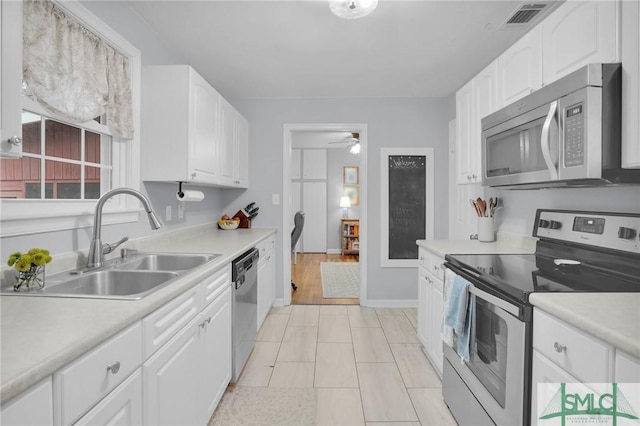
x: 567, y: 133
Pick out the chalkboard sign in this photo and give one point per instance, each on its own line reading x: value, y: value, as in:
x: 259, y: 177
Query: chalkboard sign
x: 407, y: 203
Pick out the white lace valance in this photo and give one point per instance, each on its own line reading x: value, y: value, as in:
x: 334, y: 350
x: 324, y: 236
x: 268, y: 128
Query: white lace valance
x: 73, y: 72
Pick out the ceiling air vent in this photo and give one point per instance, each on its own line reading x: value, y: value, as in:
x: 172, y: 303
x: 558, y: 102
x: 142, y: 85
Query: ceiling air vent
x: 528, y: 14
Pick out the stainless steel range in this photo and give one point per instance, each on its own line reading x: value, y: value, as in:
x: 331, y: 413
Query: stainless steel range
x: 576, y: 251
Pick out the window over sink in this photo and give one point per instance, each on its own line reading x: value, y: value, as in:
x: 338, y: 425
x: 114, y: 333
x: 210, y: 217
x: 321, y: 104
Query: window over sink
x: 66, y: 166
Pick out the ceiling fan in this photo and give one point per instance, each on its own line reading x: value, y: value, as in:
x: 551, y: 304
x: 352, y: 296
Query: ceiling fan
x: 352, y: 141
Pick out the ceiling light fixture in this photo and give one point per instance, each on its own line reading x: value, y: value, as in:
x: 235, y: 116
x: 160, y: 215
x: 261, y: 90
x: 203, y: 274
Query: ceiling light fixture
x: 352, y: 9
x: 355, y: 148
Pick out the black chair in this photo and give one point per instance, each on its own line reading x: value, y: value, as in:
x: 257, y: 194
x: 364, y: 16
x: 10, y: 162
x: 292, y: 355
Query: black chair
x: 298, y: 224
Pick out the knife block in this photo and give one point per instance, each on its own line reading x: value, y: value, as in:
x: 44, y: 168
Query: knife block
x: 244, y: 219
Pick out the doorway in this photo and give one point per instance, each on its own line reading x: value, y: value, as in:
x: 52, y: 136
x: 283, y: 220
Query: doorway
x: 307, y: 267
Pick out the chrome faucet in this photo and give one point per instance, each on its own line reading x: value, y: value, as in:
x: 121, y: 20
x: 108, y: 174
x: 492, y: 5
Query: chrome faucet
x: 97, y: 250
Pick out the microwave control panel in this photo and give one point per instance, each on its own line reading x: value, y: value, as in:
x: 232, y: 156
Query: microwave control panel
x: 574, y: 136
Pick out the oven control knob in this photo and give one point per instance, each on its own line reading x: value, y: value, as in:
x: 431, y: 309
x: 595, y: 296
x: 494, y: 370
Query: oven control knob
x: 626, y: 233
x: 555, y: 225
x: 543, y: 223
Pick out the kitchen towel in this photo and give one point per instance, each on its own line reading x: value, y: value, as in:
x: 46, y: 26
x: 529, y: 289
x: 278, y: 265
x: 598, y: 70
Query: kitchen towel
x: 446, y: 330
x: 464, y: 338
x: 457, y: 307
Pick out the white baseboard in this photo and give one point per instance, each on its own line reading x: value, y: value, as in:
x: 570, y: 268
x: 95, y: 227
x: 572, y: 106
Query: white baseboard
x: 389, y: 303
x: 392, y: 303
x: 334, y: 251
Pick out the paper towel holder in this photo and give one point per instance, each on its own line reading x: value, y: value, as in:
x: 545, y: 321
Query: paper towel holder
x: 180, y: 193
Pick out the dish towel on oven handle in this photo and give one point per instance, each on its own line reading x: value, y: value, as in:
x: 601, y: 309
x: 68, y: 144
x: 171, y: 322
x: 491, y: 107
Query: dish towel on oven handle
x: 458, y: 314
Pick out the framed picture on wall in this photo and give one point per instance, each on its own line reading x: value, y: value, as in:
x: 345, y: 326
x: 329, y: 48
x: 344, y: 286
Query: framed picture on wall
x: 350, y: 175
x: 351, y: 191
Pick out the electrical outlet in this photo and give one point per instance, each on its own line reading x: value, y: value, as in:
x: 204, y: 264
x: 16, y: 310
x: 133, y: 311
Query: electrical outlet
x: 275, y: 199
x: 180, y: 211
x: 168, y: 213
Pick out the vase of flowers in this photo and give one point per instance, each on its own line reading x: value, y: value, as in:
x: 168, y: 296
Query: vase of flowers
x: 29, y: 268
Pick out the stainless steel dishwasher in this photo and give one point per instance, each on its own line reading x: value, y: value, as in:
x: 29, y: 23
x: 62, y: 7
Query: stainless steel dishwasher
x: 245, y: 308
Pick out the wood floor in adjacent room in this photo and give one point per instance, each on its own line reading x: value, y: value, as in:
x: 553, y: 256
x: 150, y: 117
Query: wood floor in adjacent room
x: 306, y: 275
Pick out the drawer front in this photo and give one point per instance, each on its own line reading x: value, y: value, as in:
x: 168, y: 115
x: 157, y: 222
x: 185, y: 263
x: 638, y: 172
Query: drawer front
x: 88, y: 379
x: 580, y: 355
x: 424, y: 259
x: 265, y: 245
x: 216, y: 284
x: 436, y: 266
x: 431, y: 262
x: 161, y: 325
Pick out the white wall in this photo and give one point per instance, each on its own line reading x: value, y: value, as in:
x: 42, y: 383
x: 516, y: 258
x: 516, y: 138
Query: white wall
x: 391, y: 122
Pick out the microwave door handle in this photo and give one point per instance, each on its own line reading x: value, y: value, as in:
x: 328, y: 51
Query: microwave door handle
x: 545, y: 141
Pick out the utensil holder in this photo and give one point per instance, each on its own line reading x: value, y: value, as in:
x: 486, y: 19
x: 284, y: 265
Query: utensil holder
x: 486, y: 230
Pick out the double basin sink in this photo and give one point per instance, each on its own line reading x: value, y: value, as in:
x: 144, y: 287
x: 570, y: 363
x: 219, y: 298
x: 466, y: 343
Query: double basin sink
x: 130, y: 278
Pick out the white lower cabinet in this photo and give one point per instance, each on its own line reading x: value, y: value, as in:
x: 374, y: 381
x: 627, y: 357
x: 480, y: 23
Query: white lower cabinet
x: 87, y: 380
x: 34, y: 407
x: 169, y: 380
x: 430, y: 306
x: 215, y: 366
x: 563, y: 353
x: 266, y: 278
x: 184, y: 380
x: 122, y: 407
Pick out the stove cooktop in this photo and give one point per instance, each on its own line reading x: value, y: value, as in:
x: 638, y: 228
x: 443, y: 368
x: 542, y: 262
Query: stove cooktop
x: 577, y: 251
x: 518, y: 275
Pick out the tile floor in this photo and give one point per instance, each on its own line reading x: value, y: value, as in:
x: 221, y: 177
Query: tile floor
x: 366, y: 364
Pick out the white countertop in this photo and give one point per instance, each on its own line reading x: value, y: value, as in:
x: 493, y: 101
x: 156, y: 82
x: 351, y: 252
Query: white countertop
x: 504, y: 244
x: 39, y: 335
x: 611, y: 317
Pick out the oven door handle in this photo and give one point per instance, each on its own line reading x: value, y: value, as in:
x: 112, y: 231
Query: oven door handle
x: 505, y: 306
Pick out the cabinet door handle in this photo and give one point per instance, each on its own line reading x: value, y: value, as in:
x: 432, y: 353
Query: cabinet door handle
x: 114, y: 368
x: 15, y: 140
x: 559, y: 347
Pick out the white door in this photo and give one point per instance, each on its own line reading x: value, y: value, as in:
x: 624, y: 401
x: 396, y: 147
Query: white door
x: 314, y: 205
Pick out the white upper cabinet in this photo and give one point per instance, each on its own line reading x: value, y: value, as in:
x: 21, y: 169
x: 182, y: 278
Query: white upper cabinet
x: 520, y: 68
x: 475, y: 100
x: 630, y: 84
x: 296, y: 163
x: 189, y: 132
x: 579, y: 33
x: 465, y: 130
x: 10, y: 79
x: 233, y: 147
x: 180, y: 121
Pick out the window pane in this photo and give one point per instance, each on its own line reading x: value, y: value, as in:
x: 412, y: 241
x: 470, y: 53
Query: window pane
x: 15, y: 174
x: 62, y: 141
x: 92, y: 182
x: 92, y: 147
x: 65, y: 177
x: 31, y: 124
x: 33, y: 190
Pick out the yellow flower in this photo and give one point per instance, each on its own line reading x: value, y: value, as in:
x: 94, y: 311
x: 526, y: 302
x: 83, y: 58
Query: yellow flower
x: 13, y: 258
x: 23, y: 265
x: 39, y: 259
x: 36, y: 257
